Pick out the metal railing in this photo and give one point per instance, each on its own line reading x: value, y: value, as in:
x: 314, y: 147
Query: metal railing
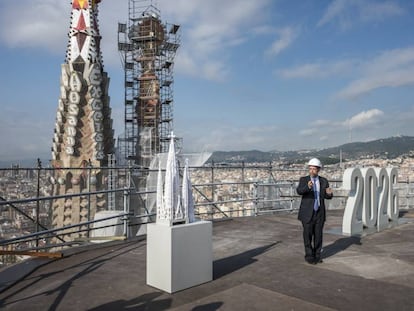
x: 26, y: 196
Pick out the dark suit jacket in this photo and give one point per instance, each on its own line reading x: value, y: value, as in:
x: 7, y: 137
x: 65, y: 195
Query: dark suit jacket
x: 306, y: 204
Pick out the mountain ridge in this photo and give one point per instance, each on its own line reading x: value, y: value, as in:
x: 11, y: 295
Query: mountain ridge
x: 389, y: 148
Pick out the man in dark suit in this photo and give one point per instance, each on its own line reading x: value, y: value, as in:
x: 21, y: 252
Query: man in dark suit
x: 314, y: 189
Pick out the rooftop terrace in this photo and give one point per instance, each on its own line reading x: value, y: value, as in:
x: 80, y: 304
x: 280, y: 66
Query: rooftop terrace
x: 258, y: 265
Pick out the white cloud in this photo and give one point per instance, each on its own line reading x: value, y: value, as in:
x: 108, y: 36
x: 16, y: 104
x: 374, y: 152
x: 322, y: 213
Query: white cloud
x: 318, y: 70
x: 323, y: 124
x: 308, y: 132
x: 361, y: 126
x: 44, y: 24
x: 215, y: 70
x: 390, y: 60
x: 219, y: 136
x: 378, y: 11
x: 210, y: 29
x: 392, y: 68
x: 286, y: 36
x: 208, y: 33
x: 349, y: 12
x: 333, y: 10
x: 364, y: 119
x: 110, y: 13
x: 24, y: 126
x: 369, y: 83
x: 35, y: 24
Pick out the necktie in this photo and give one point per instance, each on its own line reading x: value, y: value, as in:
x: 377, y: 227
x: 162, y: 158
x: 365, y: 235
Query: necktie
x: 316, y: 195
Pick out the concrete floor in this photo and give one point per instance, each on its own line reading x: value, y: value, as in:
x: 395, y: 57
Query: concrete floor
x: 258, y: 265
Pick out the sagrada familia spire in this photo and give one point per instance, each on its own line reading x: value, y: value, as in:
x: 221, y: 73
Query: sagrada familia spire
x: 83, y: 135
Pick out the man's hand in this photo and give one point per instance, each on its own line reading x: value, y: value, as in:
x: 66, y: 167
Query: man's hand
x: 329, y: 190
x: 310, y: 184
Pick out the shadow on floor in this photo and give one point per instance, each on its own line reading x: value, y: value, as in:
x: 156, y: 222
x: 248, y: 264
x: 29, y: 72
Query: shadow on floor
x: 224, y: 266
x: 340, y: 245
x: 89, y: 265
x: 143, y: 302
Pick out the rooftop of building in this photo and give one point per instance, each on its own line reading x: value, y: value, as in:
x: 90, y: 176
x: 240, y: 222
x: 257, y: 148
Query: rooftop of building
x: 258, y: 265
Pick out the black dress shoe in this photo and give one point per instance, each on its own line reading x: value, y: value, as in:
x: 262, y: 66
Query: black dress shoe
x: 311, y: 261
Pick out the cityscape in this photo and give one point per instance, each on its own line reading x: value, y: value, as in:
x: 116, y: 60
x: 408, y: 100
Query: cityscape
x: 232, y: 188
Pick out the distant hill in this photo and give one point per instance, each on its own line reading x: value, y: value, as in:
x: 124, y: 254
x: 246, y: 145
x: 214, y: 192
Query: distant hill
x: 388, y: 147
x: 391, y: 147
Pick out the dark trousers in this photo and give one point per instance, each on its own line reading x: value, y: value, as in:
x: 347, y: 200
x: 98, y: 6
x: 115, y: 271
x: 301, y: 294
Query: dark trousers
x: 312, y: 237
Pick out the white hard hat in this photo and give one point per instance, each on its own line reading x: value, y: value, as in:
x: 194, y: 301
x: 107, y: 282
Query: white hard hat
x: 315, y: 162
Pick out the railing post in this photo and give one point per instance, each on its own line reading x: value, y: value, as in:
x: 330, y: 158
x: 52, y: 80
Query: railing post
x: 39, y: 167
x: 127, y: 200
x: 89, y: 197
x: 212, y: 191
x: 256, y: 199
x: 126, y: 211
x: 242, y: 192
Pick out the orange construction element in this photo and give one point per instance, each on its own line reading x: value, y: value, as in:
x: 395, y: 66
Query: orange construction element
x: 80, y: 4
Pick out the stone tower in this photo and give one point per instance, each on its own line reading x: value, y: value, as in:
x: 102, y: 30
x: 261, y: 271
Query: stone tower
x: 83, y: 135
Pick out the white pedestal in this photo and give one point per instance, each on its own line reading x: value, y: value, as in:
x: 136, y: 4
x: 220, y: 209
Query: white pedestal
x: 180, y: 256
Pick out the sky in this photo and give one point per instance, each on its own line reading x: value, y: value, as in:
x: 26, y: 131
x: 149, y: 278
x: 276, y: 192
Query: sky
x: 263, y: 74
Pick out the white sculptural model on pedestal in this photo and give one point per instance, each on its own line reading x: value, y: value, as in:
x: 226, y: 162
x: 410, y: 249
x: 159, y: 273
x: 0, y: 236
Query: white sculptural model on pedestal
x: 174, y: 206
x: 179, y: 249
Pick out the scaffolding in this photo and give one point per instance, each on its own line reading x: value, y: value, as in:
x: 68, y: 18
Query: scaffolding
x: 148, y: 47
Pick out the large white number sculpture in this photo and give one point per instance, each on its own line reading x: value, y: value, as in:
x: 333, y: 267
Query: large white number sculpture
x: 372, y: 200
x: 383, y: 192
x: 352, y: 220
x: 393, y: 201
x: 370, y: 205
